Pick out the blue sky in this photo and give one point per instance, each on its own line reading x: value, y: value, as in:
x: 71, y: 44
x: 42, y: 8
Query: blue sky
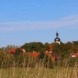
x: 23, y: 21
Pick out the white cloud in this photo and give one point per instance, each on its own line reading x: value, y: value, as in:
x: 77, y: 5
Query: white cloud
x: 69, y: 21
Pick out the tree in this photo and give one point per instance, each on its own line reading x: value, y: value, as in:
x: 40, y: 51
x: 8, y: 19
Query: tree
x: 56, y: 48
x: 8, y: 47
x: 41, y: 55
x: 46, y: 46
x: 3, y: 58
x: 33, y: 46
x: 18, y: 57
x: 18, y: 52
x: 48, y: 62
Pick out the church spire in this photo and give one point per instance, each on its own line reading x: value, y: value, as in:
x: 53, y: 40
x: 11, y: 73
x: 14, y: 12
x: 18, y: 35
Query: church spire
x: 57, y: 35
x: 57, y: 39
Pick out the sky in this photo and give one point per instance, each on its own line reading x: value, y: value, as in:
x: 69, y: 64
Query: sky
x: 24, y: 21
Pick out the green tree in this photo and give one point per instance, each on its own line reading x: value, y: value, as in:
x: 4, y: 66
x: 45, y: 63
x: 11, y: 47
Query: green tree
x: 33, y: 46
x: 56, y: 48
x: 41, y: 55
x: 48, y: 62
x: 18, y: 57
x: 3, y: 58
x: 46, y: 46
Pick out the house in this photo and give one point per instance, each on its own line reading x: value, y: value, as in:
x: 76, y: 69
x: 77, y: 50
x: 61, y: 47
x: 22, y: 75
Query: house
x: 77, y: 54
x: 12, y: 51
x: 74, y: 55
x: 33, y: 54
x: 22, y: 49
x: 52, y: 55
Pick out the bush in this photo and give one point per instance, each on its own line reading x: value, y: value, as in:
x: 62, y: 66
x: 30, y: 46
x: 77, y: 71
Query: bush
x: 72, y: 62
x: 48, y: 62
x: 41, y: 55
x: 3, y: 58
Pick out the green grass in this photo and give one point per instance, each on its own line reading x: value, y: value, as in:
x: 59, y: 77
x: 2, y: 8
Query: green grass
x: 39, y: 72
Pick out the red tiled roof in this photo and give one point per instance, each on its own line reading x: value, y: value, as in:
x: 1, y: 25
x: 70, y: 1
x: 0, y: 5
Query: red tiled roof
x: 74, y: 54
x: 52, y: 55
x: 33, y: 54
x: 12, y: 50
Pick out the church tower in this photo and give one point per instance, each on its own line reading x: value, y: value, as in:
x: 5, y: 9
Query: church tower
x: 57, y: 39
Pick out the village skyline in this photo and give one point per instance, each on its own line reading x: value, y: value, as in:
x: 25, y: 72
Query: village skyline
x: 38, y: 39
x: 37, y: 21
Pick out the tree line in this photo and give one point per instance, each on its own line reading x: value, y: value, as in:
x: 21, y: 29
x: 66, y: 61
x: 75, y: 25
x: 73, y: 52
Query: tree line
x: 19, y: 60
x: 71, y: 47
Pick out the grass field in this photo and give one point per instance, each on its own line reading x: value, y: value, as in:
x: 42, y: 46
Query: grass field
x: 39, y: 72
x: 38, y: 69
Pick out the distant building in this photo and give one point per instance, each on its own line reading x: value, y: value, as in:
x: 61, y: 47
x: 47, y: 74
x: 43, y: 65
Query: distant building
x: 12, y: 51
x: 74, y: 55
x: 52, y: 55
x: 57, y: 39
